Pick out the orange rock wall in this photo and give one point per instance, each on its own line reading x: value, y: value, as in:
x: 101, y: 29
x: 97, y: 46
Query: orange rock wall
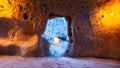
x: 23, y: 21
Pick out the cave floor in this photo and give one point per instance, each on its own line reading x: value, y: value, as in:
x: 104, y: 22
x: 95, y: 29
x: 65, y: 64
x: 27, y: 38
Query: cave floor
x: 64, y: 62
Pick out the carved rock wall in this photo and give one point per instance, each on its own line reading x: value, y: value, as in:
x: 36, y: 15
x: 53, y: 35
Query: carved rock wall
x: 23, y: 21
x: 22, y: 24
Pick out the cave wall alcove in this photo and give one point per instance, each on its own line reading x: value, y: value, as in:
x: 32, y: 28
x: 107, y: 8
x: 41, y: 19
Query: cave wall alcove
x: 23, y: 21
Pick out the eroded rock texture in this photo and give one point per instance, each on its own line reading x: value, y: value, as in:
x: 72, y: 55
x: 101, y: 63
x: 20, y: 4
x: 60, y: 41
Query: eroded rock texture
x: 23, y: 24
x: 93, y: 36
x: 23, y: 21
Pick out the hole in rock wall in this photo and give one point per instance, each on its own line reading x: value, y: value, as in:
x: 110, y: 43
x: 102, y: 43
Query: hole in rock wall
x: 25, y: 16
x: 56, y: 33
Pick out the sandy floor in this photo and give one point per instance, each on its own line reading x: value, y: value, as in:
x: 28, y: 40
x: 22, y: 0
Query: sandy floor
x: 64, y: 62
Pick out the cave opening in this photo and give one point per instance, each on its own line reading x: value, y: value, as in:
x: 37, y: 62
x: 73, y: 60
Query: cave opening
x: 56, y: 33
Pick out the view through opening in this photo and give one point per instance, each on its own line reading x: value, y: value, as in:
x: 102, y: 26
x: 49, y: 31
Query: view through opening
x: 56, y: 33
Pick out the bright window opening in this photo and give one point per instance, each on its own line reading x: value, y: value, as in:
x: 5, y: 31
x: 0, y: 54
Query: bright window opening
x: 56, y: 33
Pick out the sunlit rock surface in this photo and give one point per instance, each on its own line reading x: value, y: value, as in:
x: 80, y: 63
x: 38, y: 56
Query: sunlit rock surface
x: 19, y: 25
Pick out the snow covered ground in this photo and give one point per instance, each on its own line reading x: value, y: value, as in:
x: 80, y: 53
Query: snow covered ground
x: 63, y: 62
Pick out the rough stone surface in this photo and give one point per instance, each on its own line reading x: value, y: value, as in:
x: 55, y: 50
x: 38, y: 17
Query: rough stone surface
x: 92, y: 38
x: 24, y: 25
x: 24, y: 21
x: 64, y: 62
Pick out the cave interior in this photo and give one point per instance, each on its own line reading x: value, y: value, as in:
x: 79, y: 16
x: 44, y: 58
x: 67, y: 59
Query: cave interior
x: 60, y: 28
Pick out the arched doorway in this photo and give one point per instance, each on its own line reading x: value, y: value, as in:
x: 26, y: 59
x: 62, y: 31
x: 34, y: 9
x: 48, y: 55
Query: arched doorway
x: 56, y: 33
